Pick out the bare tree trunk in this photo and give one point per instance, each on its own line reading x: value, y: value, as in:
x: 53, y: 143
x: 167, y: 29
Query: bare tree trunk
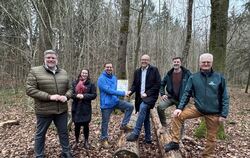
x: 218, y: 33
x: 248, y: 80
x: 189, y: 33
x: 123, y: 40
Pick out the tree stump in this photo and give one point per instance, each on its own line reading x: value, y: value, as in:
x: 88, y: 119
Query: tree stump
x: 127, y: 149
x: 162, y: 138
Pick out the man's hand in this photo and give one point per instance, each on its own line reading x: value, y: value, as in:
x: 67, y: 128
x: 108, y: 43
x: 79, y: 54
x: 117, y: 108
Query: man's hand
x: 79, y: 96
x: 143, y: 95
x: 222, y: 119
x: 177, y: 112
x: 54, y: 97
x: 164, y: 98
x: 62, y: 98
x: 128, y: 93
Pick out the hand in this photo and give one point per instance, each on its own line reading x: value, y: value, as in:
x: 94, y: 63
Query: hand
x: 143, y: 95
x: 62, y: 98
x: 177, y: 112
x: 79, y: 96
x: 54, y: 97
x: 164, y: 98
x: 222, y: 119
x: 128, y: 93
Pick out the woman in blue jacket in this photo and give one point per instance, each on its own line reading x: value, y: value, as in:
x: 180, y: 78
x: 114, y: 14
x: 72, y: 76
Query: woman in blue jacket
x: 84, y: 91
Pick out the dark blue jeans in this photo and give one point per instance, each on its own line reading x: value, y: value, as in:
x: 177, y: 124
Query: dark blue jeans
x: 122, y: 105
x: 43, y: 123
x: 143, y: 118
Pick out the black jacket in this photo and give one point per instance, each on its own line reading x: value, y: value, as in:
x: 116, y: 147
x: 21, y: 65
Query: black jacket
x: 81, y: 108
x: 152, y: 87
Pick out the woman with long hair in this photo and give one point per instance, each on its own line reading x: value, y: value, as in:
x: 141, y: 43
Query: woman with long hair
x: 84, y: 91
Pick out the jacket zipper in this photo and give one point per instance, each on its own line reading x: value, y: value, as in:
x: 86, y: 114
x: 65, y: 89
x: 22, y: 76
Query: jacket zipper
x: 54, y: 75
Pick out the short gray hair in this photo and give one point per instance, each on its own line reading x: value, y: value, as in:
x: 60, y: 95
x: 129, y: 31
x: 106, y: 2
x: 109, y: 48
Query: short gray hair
x: 207, y: 56
x: 50, y: 51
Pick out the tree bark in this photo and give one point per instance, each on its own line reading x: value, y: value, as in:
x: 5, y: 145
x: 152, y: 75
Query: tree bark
x: 123, y: 40
x: 126, y: 148
x: 189, y: 33
x: 248, y: 80
x: 218, y: 33
x: 162, y: 138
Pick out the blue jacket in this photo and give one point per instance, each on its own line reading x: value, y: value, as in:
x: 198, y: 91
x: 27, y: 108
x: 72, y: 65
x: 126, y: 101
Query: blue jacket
x: 108, y: 90
x: 210, y: 93
x: 168, y: 84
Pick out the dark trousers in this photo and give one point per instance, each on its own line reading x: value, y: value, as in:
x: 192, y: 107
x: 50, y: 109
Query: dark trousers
x: 43, y: 123
x: 78, y: 126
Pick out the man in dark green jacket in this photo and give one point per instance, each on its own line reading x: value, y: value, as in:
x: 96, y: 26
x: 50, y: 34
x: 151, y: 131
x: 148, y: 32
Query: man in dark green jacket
x: 50, y: 88
x: 211, y: 102
x: 174, y: 83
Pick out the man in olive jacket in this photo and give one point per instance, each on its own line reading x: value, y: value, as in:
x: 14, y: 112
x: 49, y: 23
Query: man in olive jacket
x: 51, y: 88
x: 211, y: 102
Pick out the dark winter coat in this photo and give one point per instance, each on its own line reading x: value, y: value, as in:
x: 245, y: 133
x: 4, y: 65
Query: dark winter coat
x: 152, y: 87
x: 81, y: 108
x: 167, y: 83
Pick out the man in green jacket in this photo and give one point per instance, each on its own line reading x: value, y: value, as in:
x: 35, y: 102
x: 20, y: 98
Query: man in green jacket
x: 50, y: 88
x: 211, y: 102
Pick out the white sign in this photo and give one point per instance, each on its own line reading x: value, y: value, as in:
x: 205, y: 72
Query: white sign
x: 122, y: 85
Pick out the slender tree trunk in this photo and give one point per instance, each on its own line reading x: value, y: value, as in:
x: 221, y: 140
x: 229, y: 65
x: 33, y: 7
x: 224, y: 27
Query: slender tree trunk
x: 248, y: 80
x: 189, y: 33
x: 123, y: 40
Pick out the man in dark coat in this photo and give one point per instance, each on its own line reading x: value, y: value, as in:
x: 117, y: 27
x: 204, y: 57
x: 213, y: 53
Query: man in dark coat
x: 146, y: 86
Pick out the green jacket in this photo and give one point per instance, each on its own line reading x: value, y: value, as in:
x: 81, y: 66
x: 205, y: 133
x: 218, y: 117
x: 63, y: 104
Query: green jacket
x: 41, y: 83
x: 210, y: 93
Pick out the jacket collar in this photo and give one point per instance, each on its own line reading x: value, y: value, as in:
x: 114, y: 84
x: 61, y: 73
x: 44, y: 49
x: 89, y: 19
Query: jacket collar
x: 107, y: 75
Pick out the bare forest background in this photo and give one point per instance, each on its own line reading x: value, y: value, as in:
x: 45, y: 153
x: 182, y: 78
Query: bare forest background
x: 86, y: 33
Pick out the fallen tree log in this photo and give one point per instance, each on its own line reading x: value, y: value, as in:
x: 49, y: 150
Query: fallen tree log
x: 162, y: 138
x: 9, y: 122
x: 125, y: 148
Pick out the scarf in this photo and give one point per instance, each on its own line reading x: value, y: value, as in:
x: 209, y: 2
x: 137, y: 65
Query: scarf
x: 80, y: 88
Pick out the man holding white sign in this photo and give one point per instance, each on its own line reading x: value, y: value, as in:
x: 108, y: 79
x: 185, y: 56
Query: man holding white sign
x: 107, y: 83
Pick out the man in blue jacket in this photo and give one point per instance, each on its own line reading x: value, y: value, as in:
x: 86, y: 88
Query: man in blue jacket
x: 211, y: 102
x: 174, y: 83
x: 107, y: 83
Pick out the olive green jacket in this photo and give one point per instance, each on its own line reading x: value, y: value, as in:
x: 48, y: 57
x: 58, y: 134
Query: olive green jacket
x: 41, y: 83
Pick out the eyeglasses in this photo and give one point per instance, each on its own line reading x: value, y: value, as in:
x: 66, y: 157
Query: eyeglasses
x: 206, y: 62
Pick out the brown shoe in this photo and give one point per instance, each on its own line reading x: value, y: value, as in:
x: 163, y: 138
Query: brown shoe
x: 126, y: 128
x: 105, y: 144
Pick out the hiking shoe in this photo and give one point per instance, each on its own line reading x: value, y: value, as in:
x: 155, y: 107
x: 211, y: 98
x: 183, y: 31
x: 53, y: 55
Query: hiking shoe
x: 126, y: 128
x: 105, y: 144
x: 132, y: 137
x: 171, y: 146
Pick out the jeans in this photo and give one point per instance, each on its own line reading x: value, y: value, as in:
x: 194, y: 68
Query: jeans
x: 43, y: 123
x: 143, y: 117
x: 212, y: 124
x: 122, y: 105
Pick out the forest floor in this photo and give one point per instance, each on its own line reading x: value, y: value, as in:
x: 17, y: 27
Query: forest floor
x: 18, y: 140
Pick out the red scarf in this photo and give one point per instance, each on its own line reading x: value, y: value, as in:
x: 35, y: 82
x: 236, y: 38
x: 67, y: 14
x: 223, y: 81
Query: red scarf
x: 80, y: 88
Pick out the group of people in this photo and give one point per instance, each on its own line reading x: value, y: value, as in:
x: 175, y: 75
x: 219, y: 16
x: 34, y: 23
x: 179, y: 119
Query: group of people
x: 50, y: 87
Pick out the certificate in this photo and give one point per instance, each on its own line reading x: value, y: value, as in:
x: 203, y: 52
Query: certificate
x: 122, y: 85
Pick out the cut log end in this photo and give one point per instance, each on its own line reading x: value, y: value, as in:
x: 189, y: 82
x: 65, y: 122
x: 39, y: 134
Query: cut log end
x: 124, y: 153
